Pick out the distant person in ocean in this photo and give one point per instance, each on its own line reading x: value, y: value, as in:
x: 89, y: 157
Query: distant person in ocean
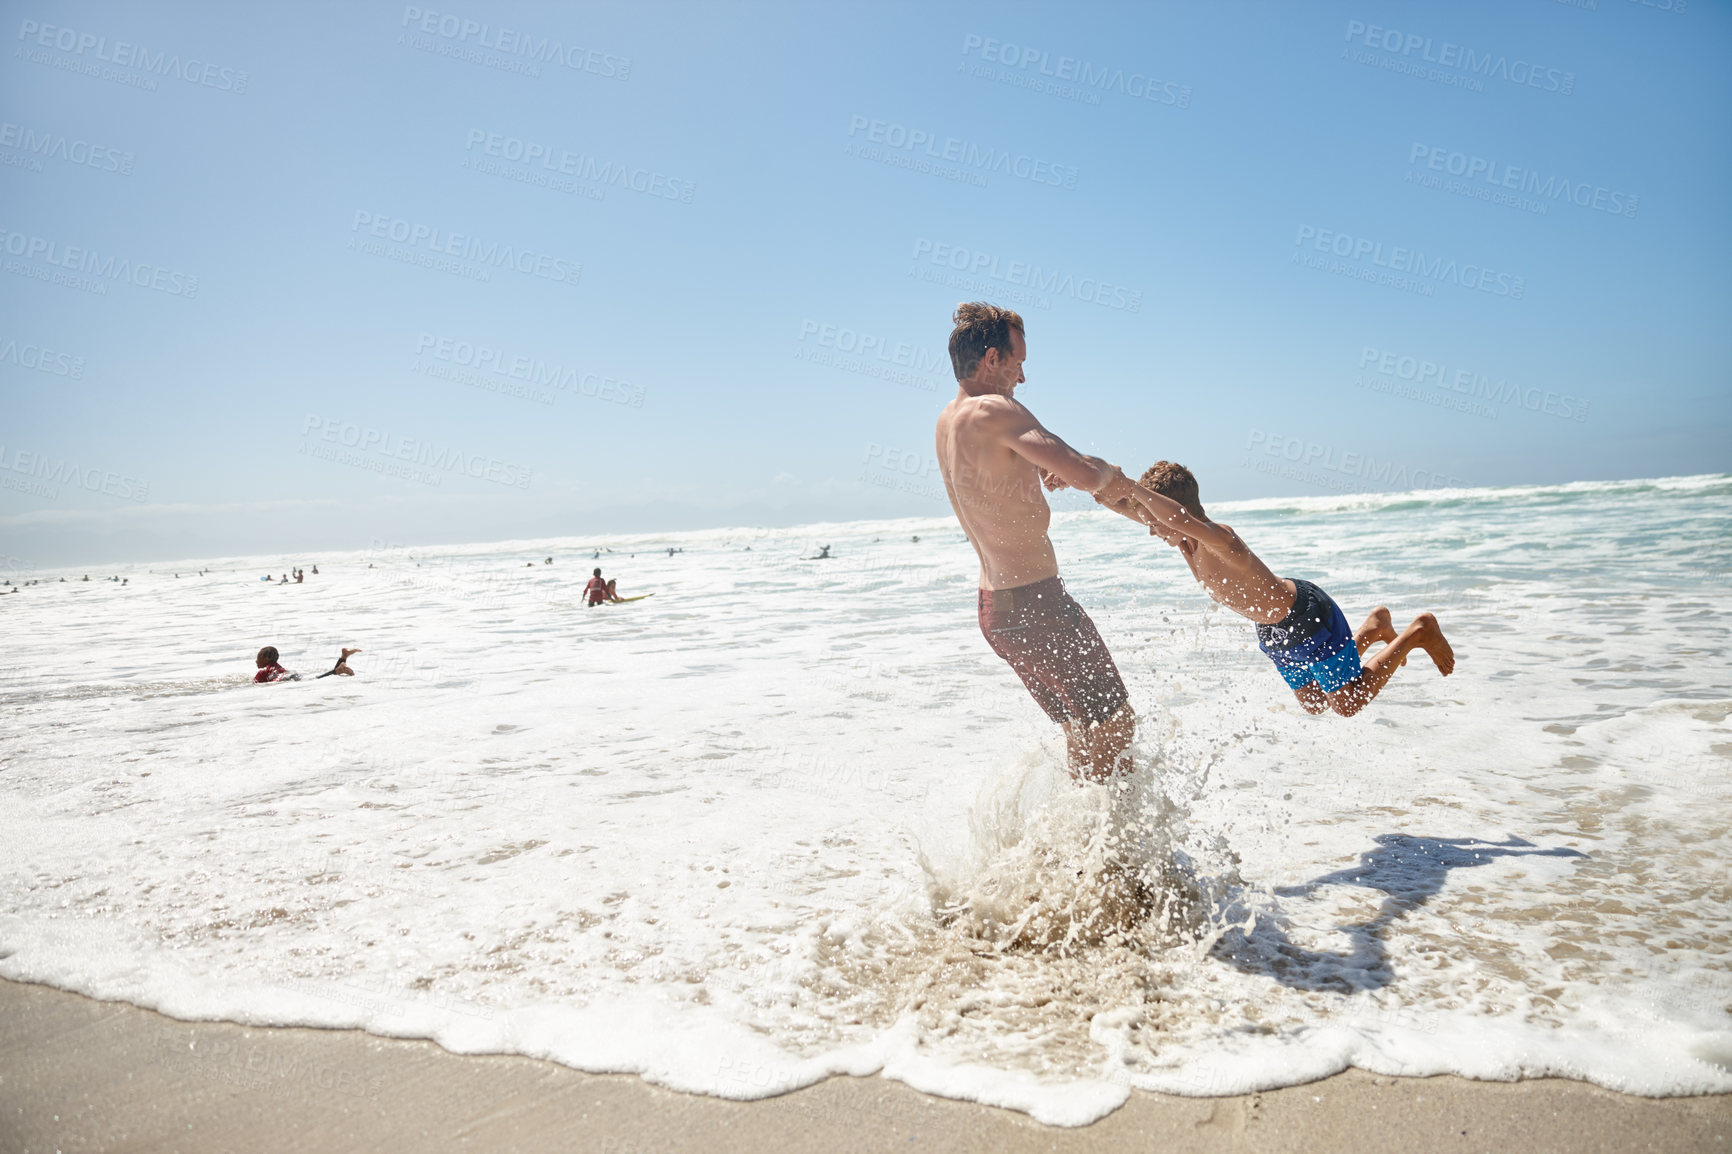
x: 271, y: 669
x: 598, y: 591
x: 1299, y: 626
x: 994, y: 455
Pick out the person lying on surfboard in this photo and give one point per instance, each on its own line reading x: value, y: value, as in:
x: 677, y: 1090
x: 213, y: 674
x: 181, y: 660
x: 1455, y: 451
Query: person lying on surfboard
x: 1299, y: 626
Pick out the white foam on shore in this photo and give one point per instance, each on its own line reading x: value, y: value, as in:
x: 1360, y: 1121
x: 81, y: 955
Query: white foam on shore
x: 792, y: 818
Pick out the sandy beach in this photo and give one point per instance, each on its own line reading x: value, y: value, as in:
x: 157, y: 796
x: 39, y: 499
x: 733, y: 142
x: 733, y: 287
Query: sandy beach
x: 81, y: 1075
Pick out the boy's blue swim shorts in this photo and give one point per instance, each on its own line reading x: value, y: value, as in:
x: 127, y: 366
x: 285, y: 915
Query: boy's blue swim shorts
x: 1312, y: 643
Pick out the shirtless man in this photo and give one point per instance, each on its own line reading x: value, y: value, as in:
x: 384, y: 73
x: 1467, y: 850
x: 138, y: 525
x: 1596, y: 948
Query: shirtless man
x: 994, y: 455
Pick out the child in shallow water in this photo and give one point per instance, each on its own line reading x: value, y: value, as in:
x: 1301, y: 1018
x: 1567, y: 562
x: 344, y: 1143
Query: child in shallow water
x: 1299, y: 626
x: 271, y: 670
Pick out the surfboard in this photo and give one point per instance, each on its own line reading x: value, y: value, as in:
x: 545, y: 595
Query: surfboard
x: 623, y: 600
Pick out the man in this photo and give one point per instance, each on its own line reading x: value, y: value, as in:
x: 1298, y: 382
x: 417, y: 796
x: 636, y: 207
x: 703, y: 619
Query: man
x: 994, y: 455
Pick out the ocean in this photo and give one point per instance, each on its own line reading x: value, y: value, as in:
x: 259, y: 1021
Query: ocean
x: 788, y: 818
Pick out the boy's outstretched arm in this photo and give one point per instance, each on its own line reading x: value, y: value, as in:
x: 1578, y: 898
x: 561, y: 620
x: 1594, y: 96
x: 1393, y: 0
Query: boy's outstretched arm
x: 1166, y: 513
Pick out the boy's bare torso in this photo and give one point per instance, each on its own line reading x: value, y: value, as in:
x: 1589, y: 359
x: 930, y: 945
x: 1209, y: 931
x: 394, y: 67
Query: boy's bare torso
x: 995, y: 491
x: 1237, y: 577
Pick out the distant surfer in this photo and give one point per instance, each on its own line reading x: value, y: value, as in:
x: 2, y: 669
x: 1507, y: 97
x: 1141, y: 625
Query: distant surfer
x: 1299, y: 626
x: 822, y: 555
x: 994, y: 455
x: 598, y: 591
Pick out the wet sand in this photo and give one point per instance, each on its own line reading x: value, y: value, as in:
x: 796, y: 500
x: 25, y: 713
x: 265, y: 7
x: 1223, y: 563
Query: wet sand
x: 77, y: 1074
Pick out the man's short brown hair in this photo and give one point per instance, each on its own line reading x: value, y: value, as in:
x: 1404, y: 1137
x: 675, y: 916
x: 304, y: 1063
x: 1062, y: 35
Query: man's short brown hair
x: 979, y: 326
x: 1176, y: 483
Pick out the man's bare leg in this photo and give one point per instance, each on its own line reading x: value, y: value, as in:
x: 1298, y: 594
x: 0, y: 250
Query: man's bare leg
x: 1424, y: 634
x: 1095, y: 750
x: 1378, y: 627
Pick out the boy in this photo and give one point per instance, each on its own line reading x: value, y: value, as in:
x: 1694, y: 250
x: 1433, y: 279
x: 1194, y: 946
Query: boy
x: 1299, y: 627
x: 270, y: 668
x: 598, y: 591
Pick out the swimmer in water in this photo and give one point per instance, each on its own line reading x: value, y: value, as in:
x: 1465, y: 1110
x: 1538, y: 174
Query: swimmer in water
x: 1299, y: 626
x: 271, y: 669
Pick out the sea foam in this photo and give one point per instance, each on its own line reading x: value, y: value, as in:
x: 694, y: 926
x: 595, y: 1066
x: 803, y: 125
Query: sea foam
x: 790, y: 818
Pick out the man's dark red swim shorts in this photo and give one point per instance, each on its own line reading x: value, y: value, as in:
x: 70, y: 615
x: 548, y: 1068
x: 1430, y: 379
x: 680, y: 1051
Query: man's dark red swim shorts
x: 1053, y: 646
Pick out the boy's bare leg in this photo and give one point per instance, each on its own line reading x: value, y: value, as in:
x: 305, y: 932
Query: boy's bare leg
x: 1380, y: 626
x: 1424, y: 634
x: 1095, y: 750
x: 1313, y: 698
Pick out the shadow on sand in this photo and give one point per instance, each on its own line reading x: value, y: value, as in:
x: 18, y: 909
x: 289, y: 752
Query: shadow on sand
x: 1409, y: 870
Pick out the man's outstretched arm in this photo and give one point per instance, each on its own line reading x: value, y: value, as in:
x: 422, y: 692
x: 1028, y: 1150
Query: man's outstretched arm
x: 1031, y: 440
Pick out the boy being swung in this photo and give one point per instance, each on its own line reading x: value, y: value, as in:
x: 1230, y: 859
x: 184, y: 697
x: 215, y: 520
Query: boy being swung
x: 1299, y: 626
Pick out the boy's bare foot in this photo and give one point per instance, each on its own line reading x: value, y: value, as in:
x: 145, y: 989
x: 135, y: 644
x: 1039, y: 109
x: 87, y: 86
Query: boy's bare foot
x: 347, y: 653
x: 1430, y: 638
x: 1377, y: 627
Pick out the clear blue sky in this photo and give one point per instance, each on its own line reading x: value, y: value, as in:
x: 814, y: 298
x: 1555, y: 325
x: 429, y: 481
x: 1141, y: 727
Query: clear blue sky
x: 1476, y: 243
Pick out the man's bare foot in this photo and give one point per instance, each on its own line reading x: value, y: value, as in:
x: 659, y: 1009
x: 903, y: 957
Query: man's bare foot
x: 347, y: 653
x: 1430, y: 638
